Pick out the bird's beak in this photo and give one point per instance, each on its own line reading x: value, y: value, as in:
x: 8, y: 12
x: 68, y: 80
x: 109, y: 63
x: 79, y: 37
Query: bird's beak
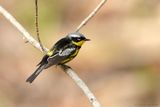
x: 87, y: 39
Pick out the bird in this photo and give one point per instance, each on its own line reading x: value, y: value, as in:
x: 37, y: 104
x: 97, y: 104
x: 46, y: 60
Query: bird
x: 62, y: 52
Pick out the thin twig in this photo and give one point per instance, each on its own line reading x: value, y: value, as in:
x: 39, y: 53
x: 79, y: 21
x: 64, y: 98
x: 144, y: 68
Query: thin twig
x: 91, y: 15
x: 67, y: 69
x: 20, y: 28
x: 37, y: 25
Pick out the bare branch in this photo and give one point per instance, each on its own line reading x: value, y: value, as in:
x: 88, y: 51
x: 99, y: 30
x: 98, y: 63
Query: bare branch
x: 67, y: 69
x: 81, y: 84
x: 91, y: 15
x: 37, y: 25
x: 20, y: 28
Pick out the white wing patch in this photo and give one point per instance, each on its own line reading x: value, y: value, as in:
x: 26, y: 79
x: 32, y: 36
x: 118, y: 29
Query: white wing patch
x: 66, y: 51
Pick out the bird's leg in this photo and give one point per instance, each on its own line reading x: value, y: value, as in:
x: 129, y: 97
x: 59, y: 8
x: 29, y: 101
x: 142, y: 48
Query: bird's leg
x: 65, y: 67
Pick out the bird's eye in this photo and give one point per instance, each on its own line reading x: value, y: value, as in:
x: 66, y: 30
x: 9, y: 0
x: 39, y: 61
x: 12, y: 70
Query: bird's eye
x: 76, y: 39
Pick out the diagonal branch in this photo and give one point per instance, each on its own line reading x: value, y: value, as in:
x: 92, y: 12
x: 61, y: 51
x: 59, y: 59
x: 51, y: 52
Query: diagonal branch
x: 37, y: 24
x: 20, y: 28
x: 66, y: 69
x: 91, y: 15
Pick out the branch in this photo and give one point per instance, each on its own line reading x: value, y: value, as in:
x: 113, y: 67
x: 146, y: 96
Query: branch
x: 20, y: 28
x: 91, y: 15
x: 81, y: 85
x: 67, y: 69
x: 37, y: 28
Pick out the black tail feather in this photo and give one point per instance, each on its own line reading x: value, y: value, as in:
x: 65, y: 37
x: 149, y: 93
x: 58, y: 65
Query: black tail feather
x: 35, y: 74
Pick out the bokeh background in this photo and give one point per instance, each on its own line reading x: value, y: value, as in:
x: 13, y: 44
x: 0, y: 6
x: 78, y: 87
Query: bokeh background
x: 121, y: 64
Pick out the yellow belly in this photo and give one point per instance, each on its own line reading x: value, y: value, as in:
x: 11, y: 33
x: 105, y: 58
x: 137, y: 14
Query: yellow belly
x: 70, y: 57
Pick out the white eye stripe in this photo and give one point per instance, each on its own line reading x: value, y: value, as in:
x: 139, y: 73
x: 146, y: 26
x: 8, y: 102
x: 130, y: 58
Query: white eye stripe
x: 74, y: 35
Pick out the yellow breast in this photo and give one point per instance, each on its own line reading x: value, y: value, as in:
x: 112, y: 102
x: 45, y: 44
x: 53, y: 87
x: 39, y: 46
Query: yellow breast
x: 78, y: 43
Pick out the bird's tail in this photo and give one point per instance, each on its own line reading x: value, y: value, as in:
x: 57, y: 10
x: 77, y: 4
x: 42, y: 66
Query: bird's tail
x: 35, y: 74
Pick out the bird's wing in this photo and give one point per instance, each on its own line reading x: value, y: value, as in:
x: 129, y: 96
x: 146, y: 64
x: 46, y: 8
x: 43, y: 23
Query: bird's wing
x: 61, y: 56
x: 54, y: 50
x: 57, y: 53
x: 60, y: 44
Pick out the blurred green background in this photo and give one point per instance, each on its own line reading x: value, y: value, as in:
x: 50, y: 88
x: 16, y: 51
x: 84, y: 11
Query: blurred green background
x: 121, y: 64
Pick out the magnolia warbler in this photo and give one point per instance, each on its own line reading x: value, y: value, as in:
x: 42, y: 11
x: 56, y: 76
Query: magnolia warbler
x: 62, y: 52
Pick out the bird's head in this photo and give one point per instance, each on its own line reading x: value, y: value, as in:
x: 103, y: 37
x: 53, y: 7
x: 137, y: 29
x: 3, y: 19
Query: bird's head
x: 77, y: 38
